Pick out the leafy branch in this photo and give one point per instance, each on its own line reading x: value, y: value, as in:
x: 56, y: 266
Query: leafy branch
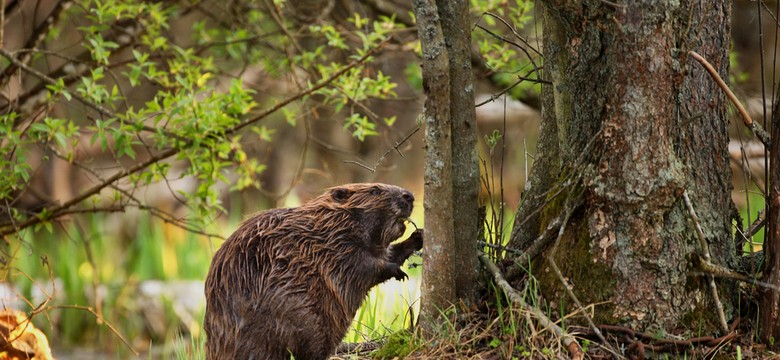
x: 57, y: 211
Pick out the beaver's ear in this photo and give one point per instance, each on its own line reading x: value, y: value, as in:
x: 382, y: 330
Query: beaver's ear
x: 341, y: 195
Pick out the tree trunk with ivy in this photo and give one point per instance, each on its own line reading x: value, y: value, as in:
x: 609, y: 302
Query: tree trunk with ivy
x: 629, y: 123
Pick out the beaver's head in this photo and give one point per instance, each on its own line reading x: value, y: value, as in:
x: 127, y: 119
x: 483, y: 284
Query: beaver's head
x: 381, y: 208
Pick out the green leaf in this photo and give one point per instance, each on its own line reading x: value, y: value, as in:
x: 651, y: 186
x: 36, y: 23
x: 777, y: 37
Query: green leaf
x: 263, y: 132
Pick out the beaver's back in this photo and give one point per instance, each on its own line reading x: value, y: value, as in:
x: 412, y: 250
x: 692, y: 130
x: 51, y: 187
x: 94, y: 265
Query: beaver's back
x: 263, y: 258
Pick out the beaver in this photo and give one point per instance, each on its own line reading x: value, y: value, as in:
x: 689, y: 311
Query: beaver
x: 289, y: 281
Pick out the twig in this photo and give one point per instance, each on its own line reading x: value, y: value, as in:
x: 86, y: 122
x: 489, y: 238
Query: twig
x: 382, y: 158
x: 754, y: 127
x: 508, y: 41
x: 514, y: 32
x: 166, y: 217
x: 541, y: 241
x: 501, y: 247
x: 635, y: 338
x: 56, y: 210
x: 312, y: 89
x: 571, y: 344
x: 769, y: 11
x: 362, y: 347
x: 103, y: 111
x: 757, y: 224
x: 613, y: 4
x: 38, y: 35
x: 706, y: 256
x: 520, y: 79
x: 101, y: 320
x: 35, y: 309
x: 2, y: 23
x: 708, y: 269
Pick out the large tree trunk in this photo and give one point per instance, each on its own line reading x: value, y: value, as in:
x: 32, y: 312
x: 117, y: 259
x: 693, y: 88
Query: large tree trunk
x: 632, y: 122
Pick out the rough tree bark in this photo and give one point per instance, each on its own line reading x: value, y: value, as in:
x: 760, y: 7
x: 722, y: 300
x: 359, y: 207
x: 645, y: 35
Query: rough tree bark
x: 438, y: 288
x: 631, y: 122
x: 465, y: 161
x: 450, y: 264
x: 769, y: 322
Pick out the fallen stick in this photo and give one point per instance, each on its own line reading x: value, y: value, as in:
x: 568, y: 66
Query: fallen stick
x: 571, y: 344
x: 706, y: 255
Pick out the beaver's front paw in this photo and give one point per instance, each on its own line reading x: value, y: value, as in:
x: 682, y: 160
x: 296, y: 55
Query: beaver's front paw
x: 416, y: 239
x: 394, y: 271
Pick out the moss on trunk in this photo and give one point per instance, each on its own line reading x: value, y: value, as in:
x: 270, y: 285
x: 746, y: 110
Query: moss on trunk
x: 619, y: 117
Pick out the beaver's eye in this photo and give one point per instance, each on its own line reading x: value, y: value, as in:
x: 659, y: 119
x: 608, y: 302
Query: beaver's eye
x: 375, y: 191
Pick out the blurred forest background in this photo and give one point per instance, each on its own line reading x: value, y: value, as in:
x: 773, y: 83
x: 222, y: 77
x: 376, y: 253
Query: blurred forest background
x: 136, y: 135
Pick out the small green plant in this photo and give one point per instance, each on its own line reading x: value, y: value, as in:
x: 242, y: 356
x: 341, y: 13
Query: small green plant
x: 398, y: 345
x: 585, y: 344
x: 493, y: 139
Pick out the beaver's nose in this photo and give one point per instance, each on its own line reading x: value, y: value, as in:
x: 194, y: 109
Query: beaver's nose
x: 408, y: 196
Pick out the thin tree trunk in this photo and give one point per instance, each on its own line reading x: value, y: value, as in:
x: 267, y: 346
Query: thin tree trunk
x: 451, y: 168
x: 631, y: 123
x: 438, y: 287
x: 465, y: 163
x: 770, y: 298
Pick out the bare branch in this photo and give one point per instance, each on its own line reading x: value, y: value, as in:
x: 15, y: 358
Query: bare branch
x: 514, y: 31
x: 382, y: 158
x: 520, y: 79
x: 101, y: 320
x: 550, y: 259
x: 517, y: 299
x: 760, y: 133
x: 39, y: 33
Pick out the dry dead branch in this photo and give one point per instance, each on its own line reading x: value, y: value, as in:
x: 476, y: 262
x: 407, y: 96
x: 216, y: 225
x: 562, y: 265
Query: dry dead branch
x: 513, y: 295
x: 706, y: 255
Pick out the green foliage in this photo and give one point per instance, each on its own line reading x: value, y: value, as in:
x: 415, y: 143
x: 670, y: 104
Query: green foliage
x: 142, y: 92
x: 504, y: 43
x: 492, y: 139
x: 735, y: 75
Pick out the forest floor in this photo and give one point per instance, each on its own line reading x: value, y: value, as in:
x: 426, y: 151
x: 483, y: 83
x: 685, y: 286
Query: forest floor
x: 513, y: 334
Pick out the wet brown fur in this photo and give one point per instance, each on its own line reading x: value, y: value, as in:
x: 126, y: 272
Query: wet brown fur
x: 289, y: 281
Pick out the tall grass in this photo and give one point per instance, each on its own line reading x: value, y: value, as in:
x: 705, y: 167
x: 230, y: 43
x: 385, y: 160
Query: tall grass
x: 92, y: 267
x: 389, y: 307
